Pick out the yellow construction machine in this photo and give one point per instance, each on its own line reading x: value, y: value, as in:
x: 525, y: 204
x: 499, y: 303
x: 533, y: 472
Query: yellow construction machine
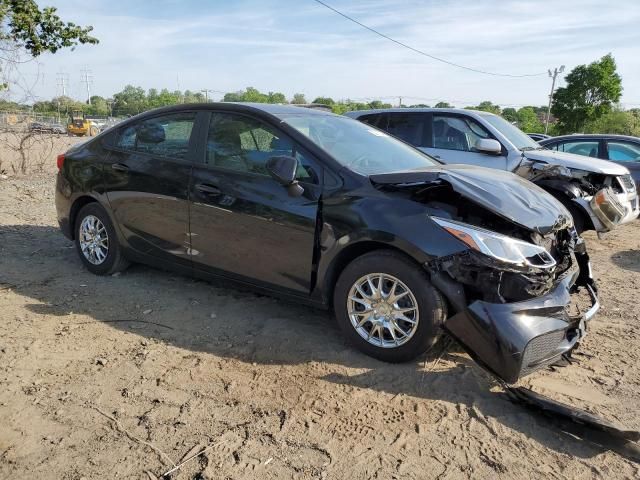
x: 81, y: 126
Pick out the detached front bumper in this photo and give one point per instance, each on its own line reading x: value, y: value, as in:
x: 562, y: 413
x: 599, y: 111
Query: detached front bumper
x: 514, y: 339
x: 616, y: 209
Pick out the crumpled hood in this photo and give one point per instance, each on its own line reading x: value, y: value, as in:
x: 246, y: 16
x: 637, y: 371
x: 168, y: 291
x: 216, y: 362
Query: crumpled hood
x: 503, y: 193
x: 578, y: 162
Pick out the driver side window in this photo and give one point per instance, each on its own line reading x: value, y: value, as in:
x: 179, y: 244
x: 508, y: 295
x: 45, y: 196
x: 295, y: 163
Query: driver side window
x: 457, y: 133
x: 244, y: 144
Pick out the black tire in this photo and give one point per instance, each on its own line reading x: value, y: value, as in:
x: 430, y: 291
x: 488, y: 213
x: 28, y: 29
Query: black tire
x: 114, y: 260
x: 431, y: 305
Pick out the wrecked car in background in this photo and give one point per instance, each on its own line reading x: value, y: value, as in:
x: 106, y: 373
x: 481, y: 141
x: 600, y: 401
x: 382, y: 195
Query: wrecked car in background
x: 329, y: 211
x: 599, y: 194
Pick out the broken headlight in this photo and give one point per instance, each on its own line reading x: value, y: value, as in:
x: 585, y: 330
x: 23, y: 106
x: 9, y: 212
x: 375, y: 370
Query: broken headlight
x: 500, y: 247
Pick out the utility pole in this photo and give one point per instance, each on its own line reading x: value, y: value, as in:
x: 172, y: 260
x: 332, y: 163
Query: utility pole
x: 399, y: 101
x: 87, y: 79
x: 553, y: 75
x: 62, y: 81
x: 206, y: 94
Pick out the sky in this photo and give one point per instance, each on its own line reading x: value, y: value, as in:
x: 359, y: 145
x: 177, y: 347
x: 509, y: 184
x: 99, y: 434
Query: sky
x: 295, y: 46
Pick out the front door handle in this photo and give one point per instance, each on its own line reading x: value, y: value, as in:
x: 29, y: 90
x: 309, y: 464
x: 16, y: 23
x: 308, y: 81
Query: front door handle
x: 208, y: 189
x: 120, y: 167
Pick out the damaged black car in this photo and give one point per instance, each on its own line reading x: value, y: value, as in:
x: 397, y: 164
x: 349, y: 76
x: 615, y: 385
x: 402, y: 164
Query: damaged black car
x: 329, y: 211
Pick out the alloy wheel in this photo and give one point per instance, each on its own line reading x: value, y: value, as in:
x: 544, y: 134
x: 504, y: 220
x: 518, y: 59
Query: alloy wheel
x: 94, y: 240
x: 383, y: 310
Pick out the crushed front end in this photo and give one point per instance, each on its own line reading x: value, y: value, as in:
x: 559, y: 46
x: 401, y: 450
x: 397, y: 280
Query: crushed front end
x: 518, y: 282
x: 608, y: 200
x: 519, y: 318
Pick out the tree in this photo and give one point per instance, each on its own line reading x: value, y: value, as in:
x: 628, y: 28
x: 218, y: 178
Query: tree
x: 590, y: 93
x: 98, y: 106
x: 299, y: 99
x: 324, y: 100
x: 443, y: 105
x: 26, y: 26
x: 528, y: 120
x: 129, y: 101
x: 276, y: 97
x: 486, y: 106
x: 616, y: 122
x: 510, y: 115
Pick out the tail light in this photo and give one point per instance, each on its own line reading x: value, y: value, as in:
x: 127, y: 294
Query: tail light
x: 60, y: 161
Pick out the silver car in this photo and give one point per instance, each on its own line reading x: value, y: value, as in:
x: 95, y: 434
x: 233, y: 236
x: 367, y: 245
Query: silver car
x: 599, y: 194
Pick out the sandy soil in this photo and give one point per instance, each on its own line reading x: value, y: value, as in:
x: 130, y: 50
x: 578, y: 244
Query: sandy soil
x: 119, y: 376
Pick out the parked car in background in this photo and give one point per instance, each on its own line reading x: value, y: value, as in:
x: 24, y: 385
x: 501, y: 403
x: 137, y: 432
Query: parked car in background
x: 621, y: 149
x: 538, y: 136
x: 329, y: 211
x: 42, y: 127
x: 599, y: 194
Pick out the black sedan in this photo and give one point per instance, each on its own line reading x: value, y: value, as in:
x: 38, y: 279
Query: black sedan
x: 329, y: 211
x: 621, y: 149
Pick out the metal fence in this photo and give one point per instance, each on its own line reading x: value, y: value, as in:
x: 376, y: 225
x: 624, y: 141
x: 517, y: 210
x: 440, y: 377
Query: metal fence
x: 21, y: 121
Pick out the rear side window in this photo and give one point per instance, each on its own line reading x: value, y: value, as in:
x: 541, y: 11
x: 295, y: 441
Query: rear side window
x: 588, y: 148
x: 375, y: 120
x: 457, y: 133
x: 624, y: 152
x: 410, y: 127
x: 165, y: 136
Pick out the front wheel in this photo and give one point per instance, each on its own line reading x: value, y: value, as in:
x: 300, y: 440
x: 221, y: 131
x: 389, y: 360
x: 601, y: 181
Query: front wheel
x: 386, y: 306
x: 96, y: 241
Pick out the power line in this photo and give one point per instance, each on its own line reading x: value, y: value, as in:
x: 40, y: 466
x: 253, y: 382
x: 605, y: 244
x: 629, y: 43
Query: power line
x: 422, y: 52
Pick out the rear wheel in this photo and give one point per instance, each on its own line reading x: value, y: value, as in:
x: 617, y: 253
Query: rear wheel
x: 386, y: 306
x: 96, y: 241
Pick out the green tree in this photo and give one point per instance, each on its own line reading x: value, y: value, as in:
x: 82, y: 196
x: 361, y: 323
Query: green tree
x: 486, y: 106
x: 616, y: 122
x: 129, y: 101
x: 590, y: 93
x: 26, y: 26
x: 299, y: 99
x: 528, y: 120
x: 324, y: 100
x: 276, y: 97
x: 510, y: 115
x: 98, y: 106
x: 232, y: 97
x: 443, y: 105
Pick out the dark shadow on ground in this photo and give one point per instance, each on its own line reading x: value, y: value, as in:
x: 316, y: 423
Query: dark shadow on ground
x: 38, y: 262
x: 627, y: 259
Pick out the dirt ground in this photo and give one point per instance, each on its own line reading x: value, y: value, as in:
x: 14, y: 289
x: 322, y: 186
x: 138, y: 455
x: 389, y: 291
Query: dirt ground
x: 114, y: 377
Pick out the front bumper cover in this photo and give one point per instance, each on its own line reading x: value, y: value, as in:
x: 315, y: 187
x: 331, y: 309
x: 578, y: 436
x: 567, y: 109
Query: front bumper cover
x: 512, y: 340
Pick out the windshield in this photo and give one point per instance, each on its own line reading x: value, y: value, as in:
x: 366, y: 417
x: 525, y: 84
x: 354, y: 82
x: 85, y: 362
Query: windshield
x: 357, y: 146
x: 517, y: 137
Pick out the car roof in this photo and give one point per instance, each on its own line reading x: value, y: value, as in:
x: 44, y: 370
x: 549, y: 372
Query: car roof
x: 271, y: 108
x: 593, y: 136
x: 359, y: 113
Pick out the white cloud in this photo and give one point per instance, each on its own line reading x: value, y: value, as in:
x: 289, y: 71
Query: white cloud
x: 300, y: 46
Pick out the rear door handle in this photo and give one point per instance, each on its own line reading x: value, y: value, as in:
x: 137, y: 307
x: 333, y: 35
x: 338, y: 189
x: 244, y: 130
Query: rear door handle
x: 208, y: 189
x: 120, y: 167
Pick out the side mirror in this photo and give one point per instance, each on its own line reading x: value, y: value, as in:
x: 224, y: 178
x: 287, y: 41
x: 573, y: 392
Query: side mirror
x: 489, y: 145
x: 283, y: 170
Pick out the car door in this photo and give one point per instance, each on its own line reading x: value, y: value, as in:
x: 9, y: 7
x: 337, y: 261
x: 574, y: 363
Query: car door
x: 147, y: 180
x: 625, y: 153
x: 244, y: 224
x: 453, y: 140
